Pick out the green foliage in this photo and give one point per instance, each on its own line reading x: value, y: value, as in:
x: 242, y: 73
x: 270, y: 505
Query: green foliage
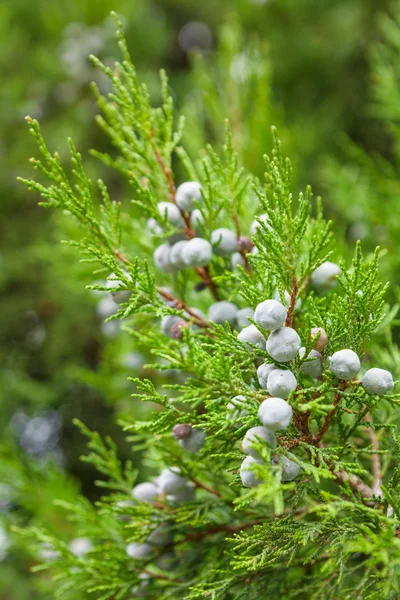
x: 332, y: 531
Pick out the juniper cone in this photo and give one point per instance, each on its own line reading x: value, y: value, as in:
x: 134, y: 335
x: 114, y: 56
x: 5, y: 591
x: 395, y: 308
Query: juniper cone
x: 186, y: 194
x: 281, y: 383
x: 194, y: 442
x: 170, y: 212
x: 256, y: 224
x: 321, y: 338
x: 283, y: 344
x: 377, y: 381
x: 223, y: 311
x: 224, y: 241
x: 319, y: 520
x: 243, y: 315
x: 345, y: 364
x: 197, y: 253
x: 263, y: 372
x: 254, y: 436
x: 251, y: 336
x: 275, y: 413
x: 247, y: 475
x: 326, y: 275
x: 181, y: 431
x: 270, y: 315
x: 146, y: 492
x: 312, y: 365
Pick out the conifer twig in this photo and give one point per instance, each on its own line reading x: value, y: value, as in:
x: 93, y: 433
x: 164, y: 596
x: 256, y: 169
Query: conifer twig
x: 336, y: 399
x: 375, y: 458
x: 293, y: 298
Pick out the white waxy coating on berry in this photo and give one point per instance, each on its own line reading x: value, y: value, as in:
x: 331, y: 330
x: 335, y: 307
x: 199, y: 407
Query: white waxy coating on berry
x: 170, y: 212
x: 281, y: 383
x: 160, y: 536
x: 222, y: 311
x: 322, y: 340
x: 186, y: 193
x: 187, y: 494
x: 196, y: 218
x: 80, y: 546
x: 275, y: 413
x: 247, y: 475
x: 325, y: 276
x: 255, y: 224
x: 121, y: 295
x: 176, y: 254
x: 243, y: 315
x: 283, y: 344
x: 154, y: 227
x: 263, y: 372
x: 224, y: 241
x: 236, y: 410
x: 146, y: 492
x: 237, y: 259
x: 171, y: 325
x: 194, y: 442
x: 162, y: 258
x: 313, y: 365
x: 251, y: 335
x: 135, y: 550
x: 170, y: 481
x: 290, y: 469
x: 377, y: 381
x: 345, y: 364
x: 197, y: 253
x: 270, y: 315
x: 254, y: 435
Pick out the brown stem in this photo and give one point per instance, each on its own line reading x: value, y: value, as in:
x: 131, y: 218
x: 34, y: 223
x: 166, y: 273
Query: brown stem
x: 375, y: 458
x: 331, y: 413
x: 293, y: 298
x: 180, y: 305
x: 168, y: 174
x: 204, y: 273
x: 356, y: 484
x: 205, y: 487
x: 161, y: 576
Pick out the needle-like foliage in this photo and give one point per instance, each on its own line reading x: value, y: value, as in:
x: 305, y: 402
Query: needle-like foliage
x: 329, y: 533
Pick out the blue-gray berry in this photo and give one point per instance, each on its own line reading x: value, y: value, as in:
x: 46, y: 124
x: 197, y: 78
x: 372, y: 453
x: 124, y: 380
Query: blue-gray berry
x: 224, y: 241
x: 312, y: 365
x: 186, y: 194
x: 197, y: 253
x: 281, y: 382
x: 251, y: 336
x: 237, y: 410
x: 172, y: 326
x: 222, y: 311
x: 247, y: 475
x: 171, y: 481
x: 254, y: 435
x: 146, y: 492
x: 255, y: 224
x: 194, y: 441
x: 270, y: 315
x: 283, y: 344
x: 275, y: 413
x: 135, y: 550
x: 344, y: 364
x: 377, y: 381
x: 170, y: 212
x: 263, y: 372
x: 243, y: 315
x: 162, y: 258
x: 176, y: 252
x: 325, y: 276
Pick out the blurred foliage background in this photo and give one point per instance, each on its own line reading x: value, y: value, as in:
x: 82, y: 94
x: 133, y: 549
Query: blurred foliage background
x: 325, y: 73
